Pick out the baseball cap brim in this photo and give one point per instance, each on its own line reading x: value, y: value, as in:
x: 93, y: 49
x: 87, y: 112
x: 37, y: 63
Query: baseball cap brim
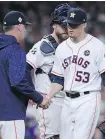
x: 28, y: 23
x: 71, y: 22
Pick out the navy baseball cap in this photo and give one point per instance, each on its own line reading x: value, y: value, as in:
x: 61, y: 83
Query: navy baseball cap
x: 14, y: 18
x: 76, y: 16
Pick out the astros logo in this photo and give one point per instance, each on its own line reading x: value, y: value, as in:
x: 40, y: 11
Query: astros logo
x: 72, y: 15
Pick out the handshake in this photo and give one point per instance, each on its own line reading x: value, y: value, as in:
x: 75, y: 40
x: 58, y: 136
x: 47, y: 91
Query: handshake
x: 45, y: 103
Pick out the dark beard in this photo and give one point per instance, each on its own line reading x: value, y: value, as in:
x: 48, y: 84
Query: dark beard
x: 60, y: 37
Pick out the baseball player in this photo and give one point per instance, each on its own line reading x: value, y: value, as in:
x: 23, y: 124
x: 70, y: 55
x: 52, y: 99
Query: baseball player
x: 41, y: 58
x: 79, y: 67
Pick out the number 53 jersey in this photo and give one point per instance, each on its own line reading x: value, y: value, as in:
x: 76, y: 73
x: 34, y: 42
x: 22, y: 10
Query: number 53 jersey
x: 80, y: 64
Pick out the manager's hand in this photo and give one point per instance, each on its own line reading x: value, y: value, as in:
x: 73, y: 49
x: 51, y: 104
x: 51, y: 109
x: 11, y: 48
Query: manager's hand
x: 45, y: 103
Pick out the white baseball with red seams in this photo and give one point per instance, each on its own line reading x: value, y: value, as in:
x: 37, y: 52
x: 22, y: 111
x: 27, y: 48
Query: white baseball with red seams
x: 81, y: 65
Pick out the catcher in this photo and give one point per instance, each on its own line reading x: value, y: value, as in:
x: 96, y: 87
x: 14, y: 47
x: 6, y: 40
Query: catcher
x: 41, y: 58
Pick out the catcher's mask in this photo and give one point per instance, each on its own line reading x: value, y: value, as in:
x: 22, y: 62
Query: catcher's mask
x: 60, y: 14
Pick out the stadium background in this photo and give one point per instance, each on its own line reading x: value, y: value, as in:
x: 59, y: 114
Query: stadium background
x: 38, y: 13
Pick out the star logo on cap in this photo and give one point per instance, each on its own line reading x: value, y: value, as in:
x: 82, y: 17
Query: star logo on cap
x: 20, y: 19
x: 72, y: 15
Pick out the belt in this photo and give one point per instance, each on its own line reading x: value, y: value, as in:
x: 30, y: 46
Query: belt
x: 76, y: 94
x: 54, y: 137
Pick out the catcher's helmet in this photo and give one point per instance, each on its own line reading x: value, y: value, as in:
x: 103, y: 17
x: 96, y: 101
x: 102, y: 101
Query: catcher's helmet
x: 60, y: 14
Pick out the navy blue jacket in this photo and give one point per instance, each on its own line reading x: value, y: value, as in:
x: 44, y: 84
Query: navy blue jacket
x: 15, y: 87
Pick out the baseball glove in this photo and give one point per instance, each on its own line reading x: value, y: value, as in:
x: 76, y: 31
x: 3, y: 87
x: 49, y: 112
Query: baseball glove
x: 101, y: 127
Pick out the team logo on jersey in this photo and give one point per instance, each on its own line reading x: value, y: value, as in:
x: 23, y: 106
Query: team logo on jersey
x: 75, y: 60
x: 87, y: 53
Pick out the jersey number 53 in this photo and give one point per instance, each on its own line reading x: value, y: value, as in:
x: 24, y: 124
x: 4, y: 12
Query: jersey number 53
x: 82, y: 76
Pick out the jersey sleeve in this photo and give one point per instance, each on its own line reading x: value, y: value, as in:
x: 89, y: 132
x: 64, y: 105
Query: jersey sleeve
x: 57, y: 67
x: 35, y: 57
x: 101, y: 59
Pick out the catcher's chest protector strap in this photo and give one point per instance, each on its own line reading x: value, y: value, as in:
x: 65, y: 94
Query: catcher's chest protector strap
x: 49, y: 45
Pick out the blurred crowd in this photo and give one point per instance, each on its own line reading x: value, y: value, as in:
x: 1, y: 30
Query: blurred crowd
x: 39, y: 14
